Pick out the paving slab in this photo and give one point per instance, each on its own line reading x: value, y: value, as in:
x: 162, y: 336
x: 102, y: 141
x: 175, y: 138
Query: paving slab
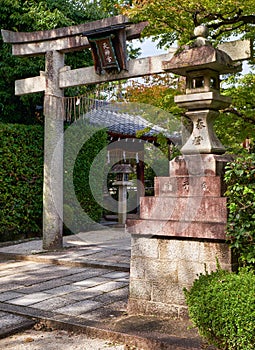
x: 108, y: 248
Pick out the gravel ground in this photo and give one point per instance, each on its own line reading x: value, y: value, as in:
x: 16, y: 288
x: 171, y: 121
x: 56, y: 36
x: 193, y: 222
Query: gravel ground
x: 55, y: 340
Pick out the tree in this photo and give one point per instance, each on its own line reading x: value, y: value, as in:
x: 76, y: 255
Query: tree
x: 175, y: 20
x: 157, y: 90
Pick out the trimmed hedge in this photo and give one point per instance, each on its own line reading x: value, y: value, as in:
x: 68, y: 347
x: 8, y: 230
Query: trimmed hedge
x: 222, y: 307
x: 21, y: 180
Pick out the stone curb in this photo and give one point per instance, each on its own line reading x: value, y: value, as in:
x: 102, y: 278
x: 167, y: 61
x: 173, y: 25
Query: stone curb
x: 130, y: 340
x: 43, y: 259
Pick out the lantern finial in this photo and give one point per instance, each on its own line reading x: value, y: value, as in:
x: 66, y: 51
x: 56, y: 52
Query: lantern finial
x: 201, y: 33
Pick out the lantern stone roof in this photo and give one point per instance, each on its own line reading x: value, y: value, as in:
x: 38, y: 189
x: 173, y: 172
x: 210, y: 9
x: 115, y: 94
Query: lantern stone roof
x: 122, y: 168
x: 201, y: 55
x: 198, y: 58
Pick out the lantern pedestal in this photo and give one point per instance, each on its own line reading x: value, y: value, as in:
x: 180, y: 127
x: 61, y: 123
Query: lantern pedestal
x: 122, y: 200
x: 203, y: 138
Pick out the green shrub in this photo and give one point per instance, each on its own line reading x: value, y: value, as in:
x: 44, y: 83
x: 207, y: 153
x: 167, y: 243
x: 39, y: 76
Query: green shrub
x: 222, y: 307
x: 240, y: 180
x: 21, y: 181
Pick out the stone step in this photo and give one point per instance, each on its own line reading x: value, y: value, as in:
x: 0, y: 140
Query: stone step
x: 170, y: 228
x: 187, y: 186
x: 199, y: 209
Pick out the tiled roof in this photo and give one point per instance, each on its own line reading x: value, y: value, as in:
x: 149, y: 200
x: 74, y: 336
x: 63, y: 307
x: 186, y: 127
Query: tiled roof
x: 117, y: 120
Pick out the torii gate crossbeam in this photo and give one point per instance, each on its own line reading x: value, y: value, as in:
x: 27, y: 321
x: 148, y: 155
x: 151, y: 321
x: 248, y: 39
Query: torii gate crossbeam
x: 56, y: 77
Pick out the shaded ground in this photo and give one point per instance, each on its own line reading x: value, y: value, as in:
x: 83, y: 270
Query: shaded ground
x: 57, y: 339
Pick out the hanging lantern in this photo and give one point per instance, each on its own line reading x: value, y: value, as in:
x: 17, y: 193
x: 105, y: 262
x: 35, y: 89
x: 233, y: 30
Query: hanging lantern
x: 108, y: 47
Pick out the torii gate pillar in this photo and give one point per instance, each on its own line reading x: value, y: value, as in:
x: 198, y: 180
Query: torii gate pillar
x: 53, y: 149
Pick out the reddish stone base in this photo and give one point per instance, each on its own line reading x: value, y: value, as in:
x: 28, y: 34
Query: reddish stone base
x: 188, y: 203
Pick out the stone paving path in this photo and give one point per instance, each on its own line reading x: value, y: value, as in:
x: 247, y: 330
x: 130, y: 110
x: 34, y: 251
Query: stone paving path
x: 10, y: 324
x: 84, y: 288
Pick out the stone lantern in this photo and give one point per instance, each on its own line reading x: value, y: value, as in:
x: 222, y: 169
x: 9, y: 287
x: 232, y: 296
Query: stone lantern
x: 122, y: 173
x: 202, y: 66
x: 183, y: 227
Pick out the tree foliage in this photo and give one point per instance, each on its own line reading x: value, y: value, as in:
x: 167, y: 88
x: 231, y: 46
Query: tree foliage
x: 157, y: 90
x: 239, y: 118
x: 175, y: 20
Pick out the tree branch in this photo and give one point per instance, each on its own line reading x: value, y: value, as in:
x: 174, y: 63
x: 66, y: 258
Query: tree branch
x: 195, y: 20
x: 249, y: 19
x: 224, y: 30
x: 238, y: 114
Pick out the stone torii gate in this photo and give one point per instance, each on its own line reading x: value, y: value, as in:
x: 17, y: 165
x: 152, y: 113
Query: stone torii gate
x: 56, y: 77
